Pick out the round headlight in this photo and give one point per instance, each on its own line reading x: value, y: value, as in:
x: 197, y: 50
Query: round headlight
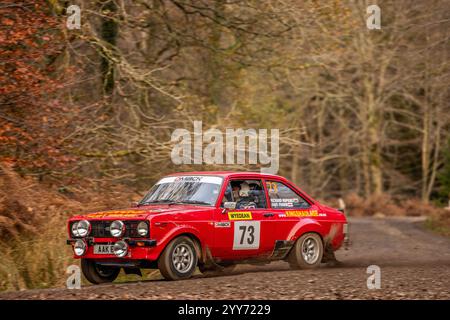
x: 142, y: 229
x: 117, y: 228
x: 79, y: 248
x: 74, y: 229
x: 83, y: 228
x: 120, y: 249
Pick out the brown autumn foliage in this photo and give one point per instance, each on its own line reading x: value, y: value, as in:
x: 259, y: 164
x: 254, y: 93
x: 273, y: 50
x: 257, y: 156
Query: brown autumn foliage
x: 33, y: 226
x: 27, y: 205
x: 387, y: 205
x: 32, y: 119
x: 360, y: 110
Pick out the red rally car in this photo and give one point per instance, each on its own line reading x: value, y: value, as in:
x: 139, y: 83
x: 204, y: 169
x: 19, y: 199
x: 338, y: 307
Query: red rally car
x: 212, y: 220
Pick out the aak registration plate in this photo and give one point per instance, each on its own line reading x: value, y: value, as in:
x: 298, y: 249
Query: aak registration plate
x: 103, y: 249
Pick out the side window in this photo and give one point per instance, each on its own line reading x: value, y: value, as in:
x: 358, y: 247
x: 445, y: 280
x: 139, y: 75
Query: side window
x: 283, y: 197
x: 227, y: 197
x: 248, y: 194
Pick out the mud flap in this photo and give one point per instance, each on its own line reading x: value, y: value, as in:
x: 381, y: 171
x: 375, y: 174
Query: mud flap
x: 136, y: 271
x: 281, y: 249
x: 209, y: 263
x: 328, y: 254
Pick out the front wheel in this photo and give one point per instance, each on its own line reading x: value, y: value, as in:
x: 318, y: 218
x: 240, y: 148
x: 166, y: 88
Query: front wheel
x: 179, y: 259
x: 307, y: 252
x: 96, y: 273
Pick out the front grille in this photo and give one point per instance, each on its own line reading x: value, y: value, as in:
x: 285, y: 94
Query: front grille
x: 100, y: 229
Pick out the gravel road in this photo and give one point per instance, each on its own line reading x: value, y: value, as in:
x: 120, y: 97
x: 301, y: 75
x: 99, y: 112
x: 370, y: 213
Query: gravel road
x: 415, y: 264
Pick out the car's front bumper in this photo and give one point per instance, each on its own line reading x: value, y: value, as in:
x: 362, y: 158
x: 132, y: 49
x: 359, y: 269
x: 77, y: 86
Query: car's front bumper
x: 131, y: 242
x: 138, y: 249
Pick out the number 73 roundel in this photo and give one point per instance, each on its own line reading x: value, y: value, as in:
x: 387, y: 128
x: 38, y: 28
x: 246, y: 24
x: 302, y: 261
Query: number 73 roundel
x: 246, y: 235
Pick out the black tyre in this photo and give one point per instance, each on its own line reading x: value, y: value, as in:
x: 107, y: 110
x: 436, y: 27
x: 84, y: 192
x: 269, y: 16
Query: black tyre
x: 307, y: 252
x: 179, y: 259
x: 96, y: 273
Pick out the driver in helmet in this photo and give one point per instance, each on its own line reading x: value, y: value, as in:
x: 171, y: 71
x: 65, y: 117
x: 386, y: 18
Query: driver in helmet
x: 246, y: 199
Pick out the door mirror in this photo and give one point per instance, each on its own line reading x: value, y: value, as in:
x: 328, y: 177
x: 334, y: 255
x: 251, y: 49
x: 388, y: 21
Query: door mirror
x: 229, y: 205
x: 134, y: 204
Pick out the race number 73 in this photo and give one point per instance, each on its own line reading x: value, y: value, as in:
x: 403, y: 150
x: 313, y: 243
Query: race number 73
x: 251, y: 234
x: 246, y: 235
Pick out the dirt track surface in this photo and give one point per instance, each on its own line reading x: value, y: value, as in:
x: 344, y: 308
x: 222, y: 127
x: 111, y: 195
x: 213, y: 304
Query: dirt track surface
x: 415, y: 264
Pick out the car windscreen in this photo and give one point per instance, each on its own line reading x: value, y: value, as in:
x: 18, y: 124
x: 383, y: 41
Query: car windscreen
x: 202, y: 190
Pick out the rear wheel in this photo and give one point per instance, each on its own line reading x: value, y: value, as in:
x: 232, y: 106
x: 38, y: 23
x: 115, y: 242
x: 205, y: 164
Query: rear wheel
x: 96, y: 273
x: 179, y: 259
x: 307, y: 252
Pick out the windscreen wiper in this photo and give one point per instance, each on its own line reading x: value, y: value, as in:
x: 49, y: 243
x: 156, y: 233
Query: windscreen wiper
x: 159, y: 201
x: 194, y: 202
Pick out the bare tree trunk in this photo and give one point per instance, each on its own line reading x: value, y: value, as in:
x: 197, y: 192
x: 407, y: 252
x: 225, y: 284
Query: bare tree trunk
x: 109, y: 31
x: 295, y: 176
x: 365, y: 161
x: 425, y: 152
x: 375, y: 162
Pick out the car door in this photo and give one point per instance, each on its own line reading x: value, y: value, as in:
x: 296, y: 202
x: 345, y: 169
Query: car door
x: 246, y: 230
x: 289, y: 206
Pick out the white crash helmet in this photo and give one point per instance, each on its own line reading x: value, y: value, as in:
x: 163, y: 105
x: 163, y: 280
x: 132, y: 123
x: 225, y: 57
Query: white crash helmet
x: 245, y: 189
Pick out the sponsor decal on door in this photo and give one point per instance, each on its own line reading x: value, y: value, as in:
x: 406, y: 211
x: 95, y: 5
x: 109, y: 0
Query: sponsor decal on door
x: 222, y: 224
x: 240, y: 215
x: 304, y: 213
